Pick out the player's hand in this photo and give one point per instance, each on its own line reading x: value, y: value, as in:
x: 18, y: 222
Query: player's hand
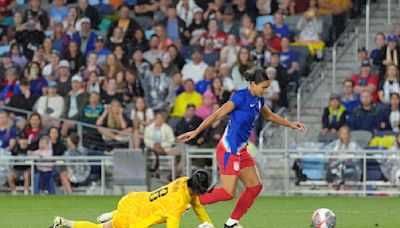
x: 187, y: 136
x: 299, y: 126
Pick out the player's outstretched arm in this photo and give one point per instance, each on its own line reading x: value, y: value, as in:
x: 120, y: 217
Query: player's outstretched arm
x: 219, y: 114
x: 273, y: 117
x: 200, y: 211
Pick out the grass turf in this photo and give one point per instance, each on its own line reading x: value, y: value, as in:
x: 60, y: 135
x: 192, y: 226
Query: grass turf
x: 273, y: 212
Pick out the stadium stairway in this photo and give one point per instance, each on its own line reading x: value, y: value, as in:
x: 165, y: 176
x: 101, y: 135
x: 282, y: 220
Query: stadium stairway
x: 316, y: 95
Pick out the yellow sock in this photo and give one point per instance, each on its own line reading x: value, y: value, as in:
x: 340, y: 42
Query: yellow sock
x: 81, y: 224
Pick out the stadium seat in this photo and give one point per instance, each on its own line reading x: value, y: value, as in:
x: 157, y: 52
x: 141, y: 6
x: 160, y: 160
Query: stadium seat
x: 327, y: 24
x: 262, y: 20
x: 304, y: 53
x: 314, y: 167
x: 291, y: 21
x: 361, y: 137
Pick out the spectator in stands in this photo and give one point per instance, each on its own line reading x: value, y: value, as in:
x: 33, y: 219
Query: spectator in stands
x: 119, y: 52
x: 272, y: 42
x: 210, y: 56
x: 31, y: 35
x: 111, y: 66
x: 58, y: 12
x: 205, y: 110
x: 197, y: 27
x: 228, y: 53
x: 92, y: 65
x: 69, y: 23
x: 290, y: 60
x: 194, y: 70
x: 341, y: 170
x: 165, y: 41
x: 185, y: 10
x: 267, y: 7
x: 76, y: 99
x: 162, y: 11
x: 225, y: 74
x: 134, y: 87
x: 52, y: 104
x: 88, y: 11
x: 168, y: 67
x: 10, y: 86
x: 247, y: 31
x: 92, y: 110
x: 6, y: 63
x: 219, y: 91
x: 75, y: 57
x: 94, y: 83
x: 243, y: 7
x: 218, y: 37
x: 7, y: 8
x: 85, y: 38
x: 48, y: 50
x: 113, y: 117
x: 281, y: 29
x: 213, y: 9
x: 310, y: 30
x: 243, y: 63
x: 110, y: 92
x: 25, y: 99
x: 7, y: 132
x: 144, y: 10
x: 391, y: 116
x: 159, y: 137
x: 281, y: 77
x: 139, y: 64
x: 212, y: 135
x: 43, y: 177
x: 204, y: 84
x: 273, y: 95
x: 73, y: 150
x: 154, y: 53
x: 365, y: 81
x: 259, y: 54
x: 60, y: 39
x: 189, y: 96
x: 334, y: 116
x: 366, y: 116
x: 390, y: 85
x: 49, y: 70
x: 37, y: 82
x: 139, y: 41
x: 63, y: 81
x: 101, y: 50
x: 57, y: 146
x: 20, y: 150
x: 127, y: 24
x: 17, y: 57
x: 362, y: 55
x: 174, y: 27
x: 380, y: 42
x: 189, y: 122
x: 389, y: 54
x: 141, y: 117
x: 177, y: 83
x: 159, y: 89
x: 117, y: 38
x: 33, y: 130
x: 35, y: 16
x: 299, y: 6
x: 176, y: 58
x: 349, y: 98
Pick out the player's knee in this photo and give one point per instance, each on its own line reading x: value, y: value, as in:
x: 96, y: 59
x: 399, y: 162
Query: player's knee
x: 256, y: 189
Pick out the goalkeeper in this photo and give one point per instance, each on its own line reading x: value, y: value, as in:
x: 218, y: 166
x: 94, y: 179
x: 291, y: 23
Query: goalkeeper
x: 164, y: 205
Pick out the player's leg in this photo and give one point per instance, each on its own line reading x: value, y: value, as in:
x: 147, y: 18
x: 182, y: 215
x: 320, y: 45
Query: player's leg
x: 225, y: 192
x: 251, y: 179
x: 62, y: 222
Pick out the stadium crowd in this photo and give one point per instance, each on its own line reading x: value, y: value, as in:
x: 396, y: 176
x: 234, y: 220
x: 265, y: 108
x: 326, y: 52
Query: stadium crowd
x: 154, y: 69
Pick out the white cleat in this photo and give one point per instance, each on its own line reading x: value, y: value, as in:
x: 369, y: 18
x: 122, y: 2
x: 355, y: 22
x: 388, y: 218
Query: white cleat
x: 104, y: 217
x: 57, y: 222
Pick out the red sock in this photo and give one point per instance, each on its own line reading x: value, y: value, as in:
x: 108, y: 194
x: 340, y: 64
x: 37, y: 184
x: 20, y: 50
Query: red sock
x: 218, y: 194
x: 245, y: 201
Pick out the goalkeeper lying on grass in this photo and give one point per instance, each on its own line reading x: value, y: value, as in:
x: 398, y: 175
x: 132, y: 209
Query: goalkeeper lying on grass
x: 144, y: 209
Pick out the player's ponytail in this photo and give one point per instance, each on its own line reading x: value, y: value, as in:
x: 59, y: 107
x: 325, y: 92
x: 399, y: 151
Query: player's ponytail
x: 256, y: 74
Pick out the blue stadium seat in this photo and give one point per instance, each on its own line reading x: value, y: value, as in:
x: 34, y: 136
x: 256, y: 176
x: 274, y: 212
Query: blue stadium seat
x: 374, y: 172
x: 314, y: 167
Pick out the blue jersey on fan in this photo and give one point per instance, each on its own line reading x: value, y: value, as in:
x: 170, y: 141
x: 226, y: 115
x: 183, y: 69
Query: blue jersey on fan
x: 247, y: 109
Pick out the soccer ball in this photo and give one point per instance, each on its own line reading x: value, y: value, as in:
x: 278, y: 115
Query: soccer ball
x: 323, y: 218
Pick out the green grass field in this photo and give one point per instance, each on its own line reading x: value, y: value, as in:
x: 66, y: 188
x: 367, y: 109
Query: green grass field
x: 274, y: 212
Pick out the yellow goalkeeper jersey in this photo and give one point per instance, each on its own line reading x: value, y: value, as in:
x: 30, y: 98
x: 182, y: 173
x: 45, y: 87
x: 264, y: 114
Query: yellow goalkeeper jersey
x: 164, y: 205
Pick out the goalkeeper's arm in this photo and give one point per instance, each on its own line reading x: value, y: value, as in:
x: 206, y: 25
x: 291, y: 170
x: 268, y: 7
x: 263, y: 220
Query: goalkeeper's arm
x: 200, y: 211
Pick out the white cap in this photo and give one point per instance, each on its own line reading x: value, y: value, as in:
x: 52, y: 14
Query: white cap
x: 197, y: 10
x: 271, y: 69
x: 84, y: 19
x: 47, y: 70
x: 76, y: 78
x: 63, y: 63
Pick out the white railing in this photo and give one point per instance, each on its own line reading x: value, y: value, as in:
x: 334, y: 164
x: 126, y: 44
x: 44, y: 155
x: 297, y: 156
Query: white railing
x: 32, y: 161
x: 79, y: 125
x: 289, y: 155
x: 198, y: 153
